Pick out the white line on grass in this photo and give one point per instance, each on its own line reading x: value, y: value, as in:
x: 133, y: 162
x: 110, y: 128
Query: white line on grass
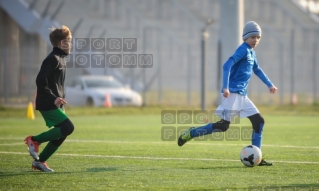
x: 10, y: 144
x: 167, y: 142
x: 157, y: 158
x: 206, y: 143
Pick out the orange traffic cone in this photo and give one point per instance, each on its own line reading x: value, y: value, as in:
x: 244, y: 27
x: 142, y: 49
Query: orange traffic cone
x: 30, y: 112
x: 294, y: 99
x: 107, y: 102
x: 35, y: 97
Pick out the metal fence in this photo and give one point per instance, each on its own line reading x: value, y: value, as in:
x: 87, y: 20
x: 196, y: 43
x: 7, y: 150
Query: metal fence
x: 170, y: 30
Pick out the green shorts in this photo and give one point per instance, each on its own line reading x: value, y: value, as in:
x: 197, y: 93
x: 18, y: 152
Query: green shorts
x: 53, y: 117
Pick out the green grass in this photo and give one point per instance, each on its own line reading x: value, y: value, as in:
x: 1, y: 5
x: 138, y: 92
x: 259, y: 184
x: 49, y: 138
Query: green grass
x: 125, y: 152
x: 21, y: 110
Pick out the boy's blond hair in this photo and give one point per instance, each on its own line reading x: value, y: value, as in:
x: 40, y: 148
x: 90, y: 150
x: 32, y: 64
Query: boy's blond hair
x: 58, y: 34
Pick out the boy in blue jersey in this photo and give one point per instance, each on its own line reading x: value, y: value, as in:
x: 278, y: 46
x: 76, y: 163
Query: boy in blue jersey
x: 237, y: 72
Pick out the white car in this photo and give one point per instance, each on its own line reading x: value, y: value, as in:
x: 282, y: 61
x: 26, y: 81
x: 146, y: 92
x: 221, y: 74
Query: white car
x: 100, y: 91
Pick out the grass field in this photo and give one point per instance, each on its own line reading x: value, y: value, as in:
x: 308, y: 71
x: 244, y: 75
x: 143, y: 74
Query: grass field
x: 125, y: 152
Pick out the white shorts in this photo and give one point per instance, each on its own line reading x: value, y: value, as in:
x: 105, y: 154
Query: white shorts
x: 236, y: 105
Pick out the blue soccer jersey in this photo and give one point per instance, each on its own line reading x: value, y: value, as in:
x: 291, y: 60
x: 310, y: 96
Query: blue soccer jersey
x: 238, y: 69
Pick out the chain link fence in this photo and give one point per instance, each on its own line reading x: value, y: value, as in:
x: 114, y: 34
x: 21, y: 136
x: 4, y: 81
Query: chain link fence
x: 288, y: 51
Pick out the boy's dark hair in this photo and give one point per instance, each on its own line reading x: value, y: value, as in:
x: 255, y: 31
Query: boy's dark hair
x: 58, y: 34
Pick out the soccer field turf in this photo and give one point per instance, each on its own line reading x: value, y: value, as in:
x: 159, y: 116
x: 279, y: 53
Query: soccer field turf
x: 127, y: 153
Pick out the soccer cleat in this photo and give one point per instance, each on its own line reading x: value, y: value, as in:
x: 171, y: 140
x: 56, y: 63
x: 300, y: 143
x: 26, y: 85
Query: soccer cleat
x: 186, y: 136
x: 264, y: 163
x: 42, y: 166
x: 33, y: 147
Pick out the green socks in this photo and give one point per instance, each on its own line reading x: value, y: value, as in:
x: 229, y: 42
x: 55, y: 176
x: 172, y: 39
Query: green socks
x: 47, y: 152
x: 52, y: 134
x: 50, y: 148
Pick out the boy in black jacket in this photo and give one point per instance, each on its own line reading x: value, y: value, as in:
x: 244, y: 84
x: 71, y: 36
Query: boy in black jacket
x: 50, y: 100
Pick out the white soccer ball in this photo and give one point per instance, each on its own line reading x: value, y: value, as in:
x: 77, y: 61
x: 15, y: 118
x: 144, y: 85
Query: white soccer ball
x: 250, y: 156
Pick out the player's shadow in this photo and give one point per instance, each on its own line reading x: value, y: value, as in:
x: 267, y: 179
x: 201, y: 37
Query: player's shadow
x: 218, y: 167
x: 31, y: 172
x: 101, y: 169
x: 302, y: 186
x: 28, y: 173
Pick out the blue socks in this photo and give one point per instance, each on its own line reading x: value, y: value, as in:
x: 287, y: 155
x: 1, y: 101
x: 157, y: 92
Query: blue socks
x: 202, y: 130
x: 256, y: 138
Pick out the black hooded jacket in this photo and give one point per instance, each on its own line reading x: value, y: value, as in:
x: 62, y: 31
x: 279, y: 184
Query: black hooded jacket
x: 50, y: 80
